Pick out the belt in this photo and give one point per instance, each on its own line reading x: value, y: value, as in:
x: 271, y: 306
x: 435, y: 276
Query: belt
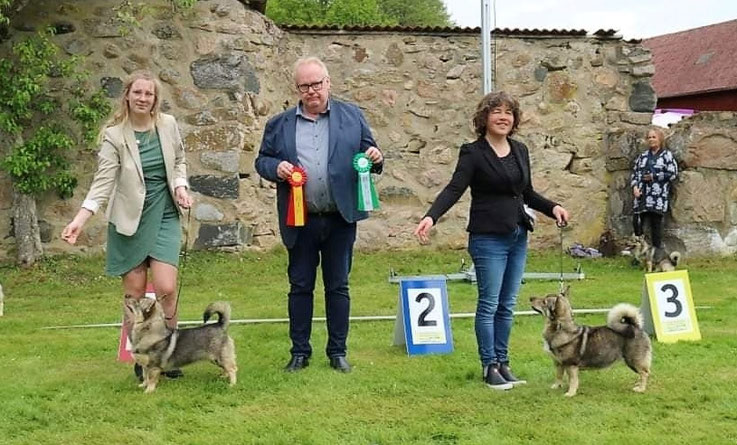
x: 323, y: 214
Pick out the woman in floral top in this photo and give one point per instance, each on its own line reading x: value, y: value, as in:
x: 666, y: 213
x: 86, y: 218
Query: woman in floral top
x: 653, y: 172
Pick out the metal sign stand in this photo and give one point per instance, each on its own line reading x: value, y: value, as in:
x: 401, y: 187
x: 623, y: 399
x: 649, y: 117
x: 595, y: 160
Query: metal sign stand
x: 469, y: 274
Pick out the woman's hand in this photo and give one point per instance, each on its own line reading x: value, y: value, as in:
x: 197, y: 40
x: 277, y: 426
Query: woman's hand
x: 72, y: 231
x: 423, y: 229
x: 636, y: 191
x: 561, y: 216
x: 183, y: 199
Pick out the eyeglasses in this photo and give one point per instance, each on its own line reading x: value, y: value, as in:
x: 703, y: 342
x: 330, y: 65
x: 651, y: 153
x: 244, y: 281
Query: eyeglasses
x: 316, y: 86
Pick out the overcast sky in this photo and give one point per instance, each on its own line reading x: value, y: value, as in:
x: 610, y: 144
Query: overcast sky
x: 634, y: 19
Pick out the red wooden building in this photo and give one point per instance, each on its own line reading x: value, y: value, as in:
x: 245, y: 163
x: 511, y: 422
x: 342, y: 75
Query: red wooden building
x: 697, y: 68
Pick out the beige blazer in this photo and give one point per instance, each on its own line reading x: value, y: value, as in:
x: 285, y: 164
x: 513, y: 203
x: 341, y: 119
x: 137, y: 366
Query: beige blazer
x: 119, y: 176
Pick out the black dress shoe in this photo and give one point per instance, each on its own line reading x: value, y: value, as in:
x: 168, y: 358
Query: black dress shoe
x: 296, y: 363
x: 173, y: 373
x: 340, y: 364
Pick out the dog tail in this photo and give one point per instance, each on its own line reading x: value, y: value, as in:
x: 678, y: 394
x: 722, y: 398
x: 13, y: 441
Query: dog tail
x: 675, y: 257
x: 221, y: 308
x: 624, y: 319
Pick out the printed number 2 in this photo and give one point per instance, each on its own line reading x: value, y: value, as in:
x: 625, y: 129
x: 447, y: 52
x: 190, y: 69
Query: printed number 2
x: 431, y: 305
x: 672, y: 299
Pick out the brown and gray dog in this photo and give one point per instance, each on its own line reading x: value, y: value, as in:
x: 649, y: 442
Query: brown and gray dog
x: 158, y: 348
x: 652, y: 258
x: 575, y: 347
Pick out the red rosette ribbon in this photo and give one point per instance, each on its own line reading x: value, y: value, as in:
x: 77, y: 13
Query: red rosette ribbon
x: 297, y: 211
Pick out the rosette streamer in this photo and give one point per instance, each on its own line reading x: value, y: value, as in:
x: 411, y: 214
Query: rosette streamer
x: 297, y: 210
x: 367, y: 197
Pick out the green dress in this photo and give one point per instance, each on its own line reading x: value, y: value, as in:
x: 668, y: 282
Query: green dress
x: 159, y: 234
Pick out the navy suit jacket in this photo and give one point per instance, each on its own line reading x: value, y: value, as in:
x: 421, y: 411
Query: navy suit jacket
x: 349, y: 134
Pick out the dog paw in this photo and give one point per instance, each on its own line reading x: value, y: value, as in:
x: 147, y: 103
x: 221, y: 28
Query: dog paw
x: 149, y: 389
x: 556, y: 385
x: 569, y: 394
x: 639, y: 389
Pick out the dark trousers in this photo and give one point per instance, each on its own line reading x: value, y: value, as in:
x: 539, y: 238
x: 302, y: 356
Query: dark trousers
x: 326, y: 239
x: 655, y: 221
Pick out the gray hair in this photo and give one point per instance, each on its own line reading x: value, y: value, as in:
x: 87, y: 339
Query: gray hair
x: 309, y: 60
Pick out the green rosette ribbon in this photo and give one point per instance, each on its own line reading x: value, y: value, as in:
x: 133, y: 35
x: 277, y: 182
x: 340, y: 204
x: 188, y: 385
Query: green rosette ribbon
x: 367, y: 197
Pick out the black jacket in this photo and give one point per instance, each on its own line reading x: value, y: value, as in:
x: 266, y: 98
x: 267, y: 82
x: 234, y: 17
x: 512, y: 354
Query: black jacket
x: 496, y: 203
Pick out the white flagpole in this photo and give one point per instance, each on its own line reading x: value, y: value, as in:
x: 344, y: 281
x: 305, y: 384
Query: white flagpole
x: 486, y: 30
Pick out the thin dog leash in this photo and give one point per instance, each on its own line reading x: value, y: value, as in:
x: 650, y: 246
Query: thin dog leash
x: 561, y: 283
x: 184, y: 254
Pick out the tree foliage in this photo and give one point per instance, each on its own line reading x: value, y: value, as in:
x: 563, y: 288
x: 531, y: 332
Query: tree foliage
x: 3, y: 7
x: 296, y: 12
x: 355, y: 12
x: 359, y: 12
x: 416, y: 12
x: 46, y: 109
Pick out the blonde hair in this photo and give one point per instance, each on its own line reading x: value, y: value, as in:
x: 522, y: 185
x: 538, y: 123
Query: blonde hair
x: 659, y: 133
x: 307, y: 61
x: 122, y: 111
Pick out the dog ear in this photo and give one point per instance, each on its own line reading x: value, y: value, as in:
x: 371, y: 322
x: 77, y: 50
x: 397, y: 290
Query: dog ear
x: 130, y: 306
x: 146, y: 303
x: 566, y: 290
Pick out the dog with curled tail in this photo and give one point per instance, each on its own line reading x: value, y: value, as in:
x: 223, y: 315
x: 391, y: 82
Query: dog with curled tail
x: 157, y: 348
x: 574, y: 347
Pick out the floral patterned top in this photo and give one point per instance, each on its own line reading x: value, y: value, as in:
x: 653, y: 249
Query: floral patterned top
x: 655, y: 194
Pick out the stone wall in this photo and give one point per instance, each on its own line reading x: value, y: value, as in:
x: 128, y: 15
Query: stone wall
x: 225, y: 69
x: 419, y: 93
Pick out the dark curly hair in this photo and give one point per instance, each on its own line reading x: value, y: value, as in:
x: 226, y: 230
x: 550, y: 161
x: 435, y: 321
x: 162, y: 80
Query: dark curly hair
x: 488, y: 103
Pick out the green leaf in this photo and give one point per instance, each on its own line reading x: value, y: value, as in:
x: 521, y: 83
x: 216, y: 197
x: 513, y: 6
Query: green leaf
x: 359, y: 12
x: 33, y: 114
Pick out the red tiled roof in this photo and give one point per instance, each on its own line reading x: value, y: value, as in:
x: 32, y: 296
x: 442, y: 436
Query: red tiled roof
x: 694, y: 61
x: 602, y: 33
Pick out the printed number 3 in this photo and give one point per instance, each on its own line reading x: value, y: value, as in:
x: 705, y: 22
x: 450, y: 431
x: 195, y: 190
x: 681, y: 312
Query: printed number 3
x: 431, y: 305
x: 672, y: 299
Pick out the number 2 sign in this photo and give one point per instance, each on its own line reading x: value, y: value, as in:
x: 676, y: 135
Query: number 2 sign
x: 423, y: 321
x: 671, y: 305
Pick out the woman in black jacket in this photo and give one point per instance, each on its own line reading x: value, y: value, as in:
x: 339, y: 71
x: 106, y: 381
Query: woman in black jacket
x: 497, y: 168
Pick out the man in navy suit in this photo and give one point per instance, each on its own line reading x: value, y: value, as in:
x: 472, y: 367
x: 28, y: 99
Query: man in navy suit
x: 321, y: 135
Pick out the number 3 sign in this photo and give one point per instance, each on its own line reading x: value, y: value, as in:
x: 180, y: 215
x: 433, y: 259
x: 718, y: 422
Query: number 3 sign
x: 667, y: 299
x: 423, y: 321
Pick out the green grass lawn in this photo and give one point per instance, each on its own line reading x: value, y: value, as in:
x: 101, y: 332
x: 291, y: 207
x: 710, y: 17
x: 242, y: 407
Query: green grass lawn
x: 65, y: 386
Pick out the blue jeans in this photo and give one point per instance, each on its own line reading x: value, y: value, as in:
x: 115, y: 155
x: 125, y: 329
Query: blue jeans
x: 329, y: 239
x: 499, y: 261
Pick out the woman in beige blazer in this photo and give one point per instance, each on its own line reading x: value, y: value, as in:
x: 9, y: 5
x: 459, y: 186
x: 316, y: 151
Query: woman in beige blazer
x: 142, y: 175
